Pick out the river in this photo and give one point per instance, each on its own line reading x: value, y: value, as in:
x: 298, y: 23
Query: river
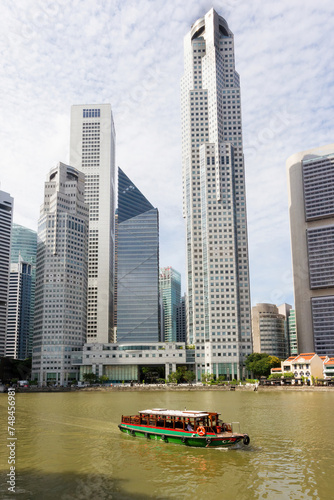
x: 69, y: 447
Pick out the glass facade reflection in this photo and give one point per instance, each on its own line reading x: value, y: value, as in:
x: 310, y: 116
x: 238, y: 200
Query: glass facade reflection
x: 170, y: 291
x: 24, y: 246
x: 19, y: 320
x: 137, y: 265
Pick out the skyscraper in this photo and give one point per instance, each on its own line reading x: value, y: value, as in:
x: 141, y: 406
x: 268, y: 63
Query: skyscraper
x: 293, y: 345
x: 181, y: 321
x: 170, y: 291
x: 92, y: 150
x: 61, y: 276
x: 214, y: 200
x: 6, y: 215
x: 19, y: 311
x: 24, y: 247
x: 311, y: 207
x: 137, y: 265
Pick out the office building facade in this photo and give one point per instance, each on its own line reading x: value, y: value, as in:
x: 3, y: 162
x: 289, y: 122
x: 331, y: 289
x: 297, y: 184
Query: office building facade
x: 293, y: 343
x: 170, y: 291
x: 181, y: 320
x: 19, y: 320
x: 24, y: 247
x: 311, y: 208
x: 269, y: 330
x: 214, y: 200
x: 6, y: 217
x: 61, y: 276
x: 92, y: 150
x: 137, y: 265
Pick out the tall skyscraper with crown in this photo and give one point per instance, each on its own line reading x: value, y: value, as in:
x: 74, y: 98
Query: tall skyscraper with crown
x: 214, y: 200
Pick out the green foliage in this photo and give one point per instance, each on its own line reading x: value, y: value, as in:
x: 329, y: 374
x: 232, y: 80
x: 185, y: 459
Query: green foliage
x: 261, y: 363
x: 189, y: 376
x: 15, y: 368
x: 89, y: 377
x: 172, y: 378
x: 275, y: 376
x: 207, y: 378
x: 103, y: 379
x: 151, y: 374
x: 289, y: 375
x: 182, y: 375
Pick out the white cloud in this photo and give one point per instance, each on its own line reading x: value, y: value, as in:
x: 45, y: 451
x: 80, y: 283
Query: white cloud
x: 58, y: 53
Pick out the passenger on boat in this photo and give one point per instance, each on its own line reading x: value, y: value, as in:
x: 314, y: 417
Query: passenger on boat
x: 189, y: 427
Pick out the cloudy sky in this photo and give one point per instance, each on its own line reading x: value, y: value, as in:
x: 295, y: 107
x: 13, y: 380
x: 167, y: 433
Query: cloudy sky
x: 130, y: 53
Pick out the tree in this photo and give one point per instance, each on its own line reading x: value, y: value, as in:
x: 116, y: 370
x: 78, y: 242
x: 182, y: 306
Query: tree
x: 172, y: 378
x: 261, y: 363
x: 180, y: 374
x: 103, y: 379
x: 150, y: 374
x: 207, y: 378
x: 189, y: 376
x: 89, y: 377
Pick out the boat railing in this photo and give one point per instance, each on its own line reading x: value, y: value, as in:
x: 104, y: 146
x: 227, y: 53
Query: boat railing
x: 131, y: 419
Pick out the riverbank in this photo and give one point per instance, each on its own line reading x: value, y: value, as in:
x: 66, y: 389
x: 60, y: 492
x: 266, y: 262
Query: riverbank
x: 164, y: 387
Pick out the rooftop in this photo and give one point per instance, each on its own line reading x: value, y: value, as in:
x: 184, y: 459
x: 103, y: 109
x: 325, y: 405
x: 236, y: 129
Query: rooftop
x: 176, y: 413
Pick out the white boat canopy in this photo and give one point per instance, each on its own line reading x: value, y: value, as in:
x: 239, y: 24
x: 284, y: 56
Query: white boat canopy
x: 175, y: 413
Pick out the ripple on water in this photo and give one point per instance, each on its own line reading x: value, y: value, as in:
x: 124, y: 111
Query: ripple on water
x: 70, y: 444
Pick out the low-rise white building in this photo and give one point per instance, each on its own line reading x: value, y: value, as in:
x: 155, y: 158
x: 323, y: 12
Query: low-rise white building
x: 328, y: 368
x: 304, y: 365
x: 122, y: 361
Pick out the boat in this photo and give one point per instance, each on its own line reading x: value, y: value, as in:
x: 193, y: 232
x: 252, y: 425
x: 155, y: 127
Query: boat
x: 191, y: 428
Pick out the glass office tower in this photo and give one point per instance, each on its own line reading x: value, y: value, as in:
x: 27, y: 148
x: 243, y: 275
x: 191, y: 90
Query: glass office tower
x: 6, y: 215
x: 137, y: 265
x: 170, y: 291
x: 19, y: 321
x: 24, y: 247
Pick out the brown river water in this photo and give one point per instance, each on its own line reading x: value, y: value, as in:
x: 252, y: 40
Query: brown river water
x: 69, y: 447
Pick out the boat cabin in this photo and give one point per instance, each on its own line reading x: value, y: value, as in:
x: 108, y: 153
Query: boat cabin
x: 187, y: 421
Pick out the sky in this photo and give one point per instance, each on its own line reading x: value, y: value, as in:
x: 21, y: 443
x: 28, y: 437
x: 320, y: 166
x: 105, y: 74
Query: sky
x: 130, y: 54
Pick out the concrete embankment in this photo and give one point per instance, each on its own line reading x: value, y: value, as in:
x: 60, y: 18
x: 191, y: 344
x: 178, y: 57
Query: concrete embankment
x: 164, y: 387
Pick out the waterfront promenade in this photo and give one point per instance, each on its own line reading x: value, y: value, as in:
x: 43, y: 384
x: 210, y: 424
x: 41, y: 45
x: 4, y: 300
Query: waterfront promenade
x: 180, y: 387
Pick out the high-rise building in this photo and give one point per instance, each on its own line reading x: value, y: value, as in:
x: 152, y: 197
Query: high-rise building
x: 181, y: 320
x: 6, y: 216
x: 92, y: 150
x: 215, y: 200
x: 61, y: 276
x: 269, y: 331
x: 24, y: 247
x: 285, y: 310
x: 170, y: 291
x: 311, y: 206
x: 137, y: 265
x: 293, y: 344
x: 19, y: 311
